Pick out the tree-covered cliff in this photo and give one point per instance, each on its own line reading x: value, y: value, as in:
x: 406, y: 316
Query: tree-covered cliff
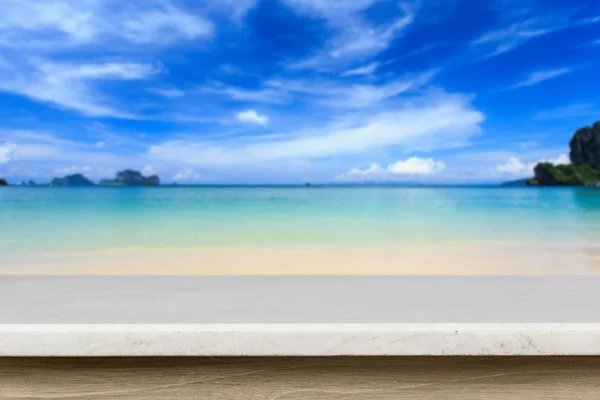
x: 585, y: 162
x: 130, y: 177
x: 72, y: 180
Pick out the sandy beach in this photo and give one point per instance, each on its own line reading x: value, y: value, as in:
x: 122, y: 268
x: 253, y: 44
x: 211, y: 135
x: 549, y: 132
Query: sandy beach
x: 474, y: 258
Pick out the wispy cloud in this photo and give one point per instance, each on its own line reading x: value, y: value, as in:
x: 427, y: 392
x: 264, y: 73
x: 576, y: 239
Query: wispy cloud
x: 373, y: 171
x: 518, y: 33
x: 353, y: 36
x: 443, y: 122
x: 125, y: 71
x: 6, y: 151
x: 571, y: 111
x: 423, y: 49
x: 364, y: 70
x: 170, y: 93
x: 235, y: 9
x: 325, y: 92
x: 60, y: 23
x: 264, y: 95
x: 206, y: 89
x: 36, y: 146
x: 72, y: 86
x: 105, y: 40
x: 537, y: 77
x: 339, y: 94
x: 44, y: 155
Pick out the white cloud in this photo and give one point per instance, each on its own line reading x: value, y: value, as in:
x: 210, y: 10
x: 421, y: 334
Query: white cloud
x: 72, y: 86
x: 364, y: 70
x: 45, y: 149
x: 373, y: 171
x: 353, y: 36
x: 563, y: 159
x: 6, y: 152
x: 252, y: 116
x: 149, y: 170
x: 442, y: 121
x: 124, y: 71
x: 59, y: 23
x: 417, y: 166
x: 412, y: 166
x: 541, y: 76
x: 514, y: 166
x: 186, y: 175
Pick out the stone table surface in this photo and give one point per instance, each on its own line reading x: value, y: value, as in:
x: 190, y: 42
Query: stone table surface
x: 298, y: 315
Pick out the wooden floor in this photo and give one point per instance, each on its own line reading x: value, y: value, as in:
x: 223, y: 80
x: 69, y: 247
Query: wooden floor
x: 301, y: 378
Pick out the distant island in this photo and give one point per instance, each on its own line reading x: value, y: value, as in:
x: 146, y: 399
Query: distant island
x: 130, y: 177
x: 3, y: 182
x: 72, y: 180
x: 127, y: 177
x: 584, y: 169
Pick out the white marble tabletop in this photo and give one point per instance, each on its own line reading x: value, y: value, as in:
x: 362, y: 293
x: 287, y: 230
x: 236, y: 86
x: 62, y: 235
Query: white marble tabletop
x: 228, y: 316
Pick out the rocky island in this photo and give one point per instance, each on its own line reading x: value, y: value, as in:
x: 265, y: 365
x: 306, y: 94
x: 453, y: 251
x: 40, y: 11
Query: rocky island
x: 584, y: 169
x: 127, y: 177
x: 72, y: 180
x: 130, y: 177
x: 3, y: 182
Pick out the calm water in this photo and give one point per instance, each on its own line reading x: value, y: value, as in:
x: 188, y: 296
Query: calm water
x: 83, y: 219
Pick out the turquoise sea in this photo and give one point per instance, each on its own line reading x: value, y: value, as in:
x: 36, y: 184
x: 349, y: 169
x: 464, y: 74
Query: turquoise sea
x: 47, y: 219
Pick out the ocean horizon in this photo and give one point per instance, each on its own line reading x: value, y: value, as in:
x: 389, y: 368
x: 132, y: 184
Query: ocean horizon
x: 266, y: 185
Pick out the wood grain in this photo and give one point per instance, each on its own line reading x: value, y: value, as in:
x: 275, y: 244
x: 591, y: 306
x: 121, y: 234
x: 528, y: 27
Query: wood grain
x: 301, y: 378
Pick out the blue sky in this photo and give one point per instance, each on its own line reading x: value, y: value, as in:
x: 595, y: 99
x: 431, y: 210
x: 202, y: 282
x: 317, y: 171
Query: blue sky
x: 265, y: 91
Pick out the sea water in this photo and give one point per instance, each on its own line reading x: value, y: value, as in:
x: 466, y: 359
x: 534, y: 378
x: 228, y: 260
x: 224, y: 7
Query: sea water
x: 47, y: 219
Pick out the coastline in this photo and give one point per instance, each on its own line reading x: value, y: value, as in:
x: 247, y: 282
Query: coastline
x: 462, y: 258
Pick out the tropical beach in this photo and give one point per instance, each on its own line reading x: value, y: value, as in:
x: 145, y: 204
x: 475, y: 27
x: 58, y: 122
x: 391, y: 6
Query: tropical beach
x: 292, y: 137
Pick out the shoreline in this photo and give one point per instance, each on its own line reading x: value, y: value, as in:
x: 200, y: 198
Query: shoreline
x: 423, y: 259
